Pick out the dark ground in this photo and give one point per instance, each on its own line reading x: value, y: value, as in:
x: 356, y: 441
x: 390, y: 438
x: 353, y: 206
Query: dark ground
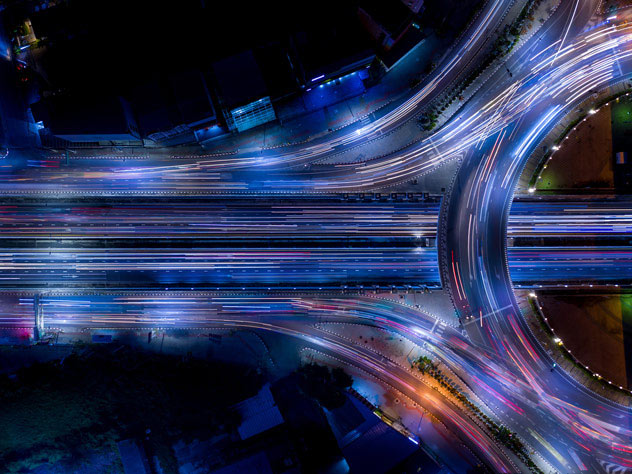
x: 596, y: 328
x: 67, y: 410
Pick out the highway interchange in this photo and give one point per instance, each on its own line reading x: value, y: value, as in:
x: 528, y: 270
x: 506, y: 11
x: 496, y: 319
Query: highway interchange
x: 196, y: 241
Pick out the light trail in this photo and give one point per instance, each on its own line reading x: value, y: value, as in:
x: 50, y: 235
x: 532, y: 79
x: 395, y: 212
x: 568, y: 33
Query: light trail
x: 506, y: 369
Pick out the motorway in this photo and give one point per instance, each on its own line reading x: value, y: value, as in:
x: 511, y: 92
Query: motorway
x: 296, y: 268
x: 314, y: 217
x: 568, y: 218
x: 315, y: 244
x: 568, y: 428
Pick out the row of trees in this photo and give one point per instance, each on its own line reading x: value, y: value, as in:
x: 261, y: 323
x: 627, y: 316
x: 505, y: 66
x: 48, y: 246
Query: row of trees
x: 503, y: 45
x: 500, y: 433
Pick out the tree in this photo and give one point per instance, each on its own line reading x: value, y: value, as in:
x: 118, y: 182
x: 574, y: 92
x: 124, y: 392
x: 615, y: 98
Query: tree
x: 324, y: 385
x: 424, y: 364
x: 341, y: 379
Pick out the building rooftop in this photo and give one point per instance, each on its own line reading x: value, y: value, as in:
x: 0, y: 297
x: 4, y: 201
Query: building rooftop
x: 87, y: 117
x: 332, y: 50
x: 407, y: 43
x: 259, y: 413
x: 192, y: 98
x: 151, y: 106
x: 239, y: 79
x: 379, y: 449
x: 133, y: 458
x: 256, y: 463
x: 393, y: 16
x: 367, y: 443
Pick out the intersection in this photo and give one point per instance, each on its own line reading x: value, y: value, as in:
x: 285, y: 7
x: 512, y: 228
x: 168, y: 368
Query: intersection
x: 288, y: 239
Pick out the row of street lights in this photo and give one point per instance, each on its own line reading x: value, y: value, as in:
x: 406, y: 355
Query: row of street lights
x: 559, y: 342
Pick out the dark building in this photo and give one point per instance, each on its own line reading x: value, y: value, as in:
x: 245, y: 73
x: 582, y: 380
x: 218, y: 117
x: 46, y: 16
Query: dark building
x: 278, y: 68
x: 259, y: 414
x: 256, y: 463
x: 151, y: 105
x: 337, y: 49
x: 103, y: 120
x: 242, y: 92
x: 370, y: 445
x: 392, y: 27
x: 173, y: 108
x: 416, y: 6
x: 192, y: 99
x: 133, y: 457
x: 386, y: 22
x: 285, y: 68
x: 307, y: 427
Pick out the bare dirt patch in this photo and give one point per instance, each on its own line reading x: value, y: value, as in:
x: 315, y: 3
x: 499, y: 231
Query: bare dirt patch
x: 592, y: 328
x: 584, y: 159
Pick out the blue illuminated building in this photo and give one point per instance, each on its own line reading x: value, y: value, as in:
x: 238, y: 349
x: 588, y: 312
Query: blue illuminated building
x: 333, y: 91
x: 251, y: 115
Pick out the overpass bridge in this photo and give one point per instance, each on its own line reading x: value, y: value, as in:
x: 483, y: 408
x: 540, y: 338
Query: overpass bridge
x: 313, y: 243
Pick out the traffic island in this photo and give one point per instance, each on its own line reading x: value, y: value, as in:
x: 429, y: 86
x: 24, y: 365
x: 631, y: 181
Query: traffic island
x: 580, y: 332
